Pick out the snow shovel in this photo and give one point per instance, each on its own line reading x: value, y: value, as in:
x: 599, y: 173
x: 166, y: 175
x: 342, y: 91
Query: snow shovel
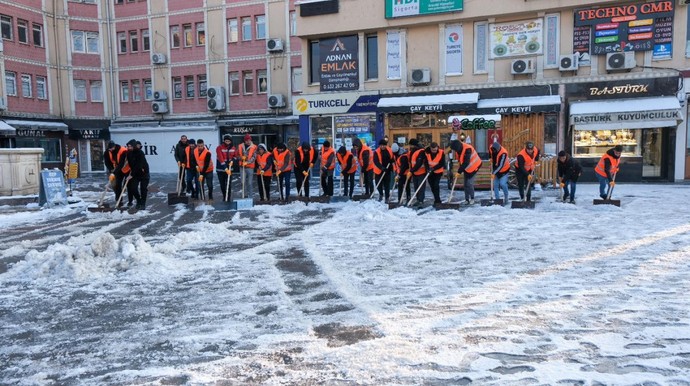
x: 523, y: 204
x: 493, y: 200
x: 263, y: 189
x: 341, y: 197
x: 364, y: 196
x: 608, y: 200
x: 422, y: 185
x: 300, y: 193
x: 393, y: 205
x: 448, y: 204
x: 102, y: 207
x: 179, y: 197
x: 376, y: 188
x: 321, y: 197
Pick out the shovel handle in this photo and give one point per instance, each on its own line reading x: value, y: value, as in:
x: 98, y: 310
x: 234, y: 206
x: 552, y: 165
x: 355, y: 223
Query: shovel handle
x: 418, y: 189
x: 452, y: 189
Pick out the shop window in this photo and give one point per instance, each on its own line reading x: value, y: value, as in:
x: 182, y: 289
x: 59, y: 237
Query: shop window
x: 26, y: 86
x: 232, y: 31
x: 50, y: 146
x: 38, y: 35
x: 188, y: 37
x: 148, y: 90
x: 202, y: 85
x: 189, y: 87
x: 297, y: 79
x: 234, y: 83
x: 594, y: 143
x: 200, y: 34
x: 372, y: 57
x: 246, y: 29
x: 175, y: 36
x: 122, y: 42
x: 23, y: 31
x: 262, y: 81
x: 133, y: 41
x: 260, y: 22
x: 146, y: 40
x: 41, y: 92
x: 177, y: 87
x: 136, y: 91
x: 96, y: 91
x: 124, y: 91
x: 314, y: 62
x: 79, y: 90
x: 6, y: 27
x: 550, y: 133
x: 322, y: 129
x: 248, y: 82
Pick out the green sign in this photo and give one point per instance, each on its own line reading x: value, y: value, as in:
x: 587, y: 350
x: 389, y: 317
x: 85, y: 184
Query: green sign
x: 401, y: 8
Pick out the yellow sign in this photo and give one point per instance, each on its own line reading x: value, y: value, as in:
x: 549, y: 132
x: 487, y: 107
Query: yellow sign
x: 73, y: 172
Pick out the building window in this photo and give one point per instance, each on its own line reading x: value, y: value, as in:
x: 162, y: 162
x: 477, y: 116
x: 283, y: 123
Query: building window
x: 38, y: 35
x: 51, y: 147
x: 314, y: 59
x: 235, y: 83
x: 246, y: 29
x: 23, y: 31
x: 202, y: 85
x: 79, y: 90
x: 6, y: 27
x: 293, y: 23
x: 10, y: 83
x: 200, y: 34
x: 78, y: 41
x: 133, y: 41
x: 26, y: 86
x: 41, y: 92
x: 372, y: 57
x: 148, y: 90
x: 297, y: 79
x: 119, y: 1
x: 136, y: 91
x: 124, y: 91
x: 177, y: 87
x: 260, y: 27
x: 96, y: 91
x: 92, y: 46
x: 232, y: 30
x: 248, y: 82
x: 145, y: 40
x: 262, y: 81
x: 189, y: 86
x: 188, y: 36
x: 175, y: 36
x: 122, y: 40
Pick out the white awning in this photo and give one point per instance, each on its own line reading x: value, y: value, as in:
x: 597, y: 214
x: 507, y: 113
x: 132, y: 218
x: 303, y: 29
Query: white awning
x: 6, y: 129
x: 523, y: 105
x: 38, y: 125
x: 429, y: 103
x: 635, y: 113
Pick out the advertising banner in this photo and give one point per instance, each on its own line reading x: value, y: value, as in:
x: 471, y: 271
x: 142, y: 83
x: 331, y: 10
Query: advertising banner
x: 516, y: 39
x: 393, y: 55
x: 339, y: 62
x: 454, y: 49
x: 401, y: 8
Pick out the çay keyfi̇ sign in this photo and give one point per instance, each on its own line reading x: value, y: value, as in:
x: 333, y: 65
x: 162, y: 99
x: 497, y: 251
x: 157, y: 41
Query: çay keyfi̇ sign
x: 400, y: 8
x: 339, y: 64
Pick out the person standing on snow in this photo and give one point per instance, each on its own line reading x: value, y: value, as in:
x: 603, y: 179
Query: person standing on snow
x: 402, y: 166
x: 225, y: 154
x: 383, y: 167
x: 305, y: 157
x: 264, y: 172
x: 181, y: 158
x: 468, y: 164
x: 116, y: 162
x: 282, y: 159
x: 348, y: 167
x: 606, y: 170
x: 190, y: 169
x: 500, y: 166
x: 247, y: 153
x: 436, y: 163
x: 327, y: 168
x: 366, y: 166
x: 418, y: 169
x: 204, y: 166
x: 524, y: 167
x: 138, y: 185
x: 569, y: 170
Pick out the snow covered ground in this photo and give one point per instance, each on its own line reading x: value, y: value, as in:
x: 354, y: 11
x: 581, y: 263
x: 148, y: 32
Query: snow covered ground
x: 351, y: 293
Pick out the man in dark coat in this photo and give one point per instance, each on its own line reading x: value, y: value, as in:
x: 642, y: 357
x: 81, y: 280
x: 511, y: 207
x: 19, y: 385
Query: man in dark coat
x: 181, y: 158
x: 139, y: 183
x: 305, y: 157
x: 569, y: 170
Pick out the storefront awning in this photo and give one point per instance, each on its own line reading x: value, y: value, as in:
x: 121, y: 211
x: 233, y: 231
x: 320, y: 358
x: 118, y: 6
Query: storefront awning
x: 523, y: 105
x: 38, y: 125
x: 6, y: 129
x: 638, y: 113
x: 429, y: 103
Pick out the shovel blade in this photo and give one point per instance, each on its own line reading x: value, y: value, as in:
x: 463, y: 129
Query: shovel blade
x: 174, y: 199
x: 244, y: 203
x: 320, y: 199
x: 302, y: 199
x: 447, y: 205
x: 340, y: 199
x: 522, y: 205
x: 360, y: 197
x: 496, y: 201
x: 607, y: 202
x: 102, y: 209
x: 393, y: 205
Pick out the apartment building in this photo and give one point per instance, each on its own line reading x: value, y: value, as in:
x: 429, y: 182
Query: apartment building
x: 577, y: 75
x: 80, y: 73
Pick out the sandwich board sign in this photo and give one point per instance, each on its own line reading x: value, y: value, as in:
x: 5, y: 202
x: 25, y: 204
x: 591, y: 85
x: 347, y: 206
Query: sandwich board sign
x: 52, y: 191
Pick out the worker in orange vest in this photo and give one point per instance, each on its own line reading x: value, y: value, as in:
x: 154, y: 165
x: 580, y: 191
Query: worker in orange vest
x: 348, y: 167
x: 116, y: 163
x: 606, y: 169
x: 305, y: 157
x: 327, y: 168
x: 366, y: 166
x: 264, y: 172
x: 417, y: 170
x: 282, y: 158
x: 500, y: 166
x: 204, y: 167
x: 402, y: 166
x: 468, y: 164
x: 436, y: 165
x: 383, y: 168
x: 247, y: 153
x: 524, y: 167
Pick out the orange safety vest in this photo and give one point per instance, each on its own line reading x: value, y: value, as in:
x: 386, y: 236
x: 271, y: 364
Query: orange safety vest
x: 506, y: 164
x: 261, y: 160
x: 201, y: 158
x: 248, y: 153
x: 378, y: 152
x: 325, y: 155
x: 475, y: 161
x: 435, y: 161
x: 413, y: 161
x: 529, y: 161
x: 187, y: 161
x: 361, y: 160
x: 343, y: 162
x: 118, y: 157
x: 602, y: 162
x: 279, y: 159
x: 301, y: 153
x: 398, y: 163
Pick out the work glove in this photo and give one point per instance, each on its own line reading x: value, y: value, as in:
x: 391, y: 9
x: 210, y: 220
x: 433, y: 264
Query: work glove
x: 228, y: 171
x: 306, y: 173
x: 179, y: 164
x: 278, y: 173
x: 182, y: 165
x: 612, y: 184
x: 111, y: 177
x: 261, y: 172
x: 397, y: 178
x: 201, y: 178
x: 198, y: 169
x: 311, y: 166
x: 562, y: 185
x: 529, y: 177
x: 493, y: 176
x: 458, y: 174
x: 408, y: 175
x: 244, y: 158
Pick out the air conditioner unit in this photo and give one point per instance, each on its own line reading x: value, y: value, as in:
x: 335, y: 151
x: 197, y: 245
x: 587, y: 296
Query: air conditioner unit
x: 159, y: 107
x: 421, y: 76
x: 620, y: 60
x: 522, y: 66
x: 683, y: 2
x: 215, y: 98
x: 568, y: 62
x: 158, y: 58
x: 274, y: 45
x: 3, y: 104
x: 276, y: 100
x: 160, y: 95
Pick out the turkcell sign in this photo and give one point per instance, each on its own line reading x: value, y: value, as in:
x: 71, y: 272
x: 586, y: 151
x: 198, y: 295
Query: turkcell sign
x: 402, y: 8
x: 335, y: 103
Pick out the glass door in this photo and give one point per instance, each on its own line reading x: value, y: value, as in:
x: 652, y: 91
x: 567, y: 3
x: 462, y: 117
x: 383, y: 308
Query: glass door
x: 651, y: 153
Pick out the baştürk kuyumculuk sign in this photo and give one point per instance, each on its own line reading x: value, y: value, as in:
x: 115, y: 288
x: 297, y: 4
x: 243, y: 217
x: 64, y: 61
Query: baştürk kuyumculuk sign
x: 339, y: 59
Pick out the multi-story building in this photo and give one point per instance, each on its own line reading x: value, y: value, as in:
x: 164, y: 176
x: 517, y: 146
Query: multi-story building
x: 579, y: 75
x: 78, y: 73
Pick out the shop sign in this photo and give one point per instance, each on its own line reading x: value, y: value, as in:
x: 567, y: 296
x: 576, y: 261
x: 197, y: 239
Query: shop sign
x: 393, y: 55
x: 478, y: 123
x: 52, y: 190
x: 629, y: 27
x: 516, y: 38
x: 617, y: 90
x: 89, y: 134
x: 454, y: 49
x: 603, y: 118
x: 241, y: 130
x: 339, y: 103
x: 351, y: 124
x: 624, y: 88
x: 30, y: 133
x: 339, y: 62
x: 401, y: 8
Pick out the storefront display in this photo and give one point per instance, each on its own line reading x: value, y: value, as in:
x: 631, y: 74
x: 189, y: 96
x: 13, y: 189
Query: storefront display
x: 590, y: 143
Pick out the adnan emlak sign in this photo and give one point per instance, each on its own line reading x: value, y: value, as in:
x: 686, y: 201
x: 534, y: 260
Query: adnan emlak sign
x: 401, y: 8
